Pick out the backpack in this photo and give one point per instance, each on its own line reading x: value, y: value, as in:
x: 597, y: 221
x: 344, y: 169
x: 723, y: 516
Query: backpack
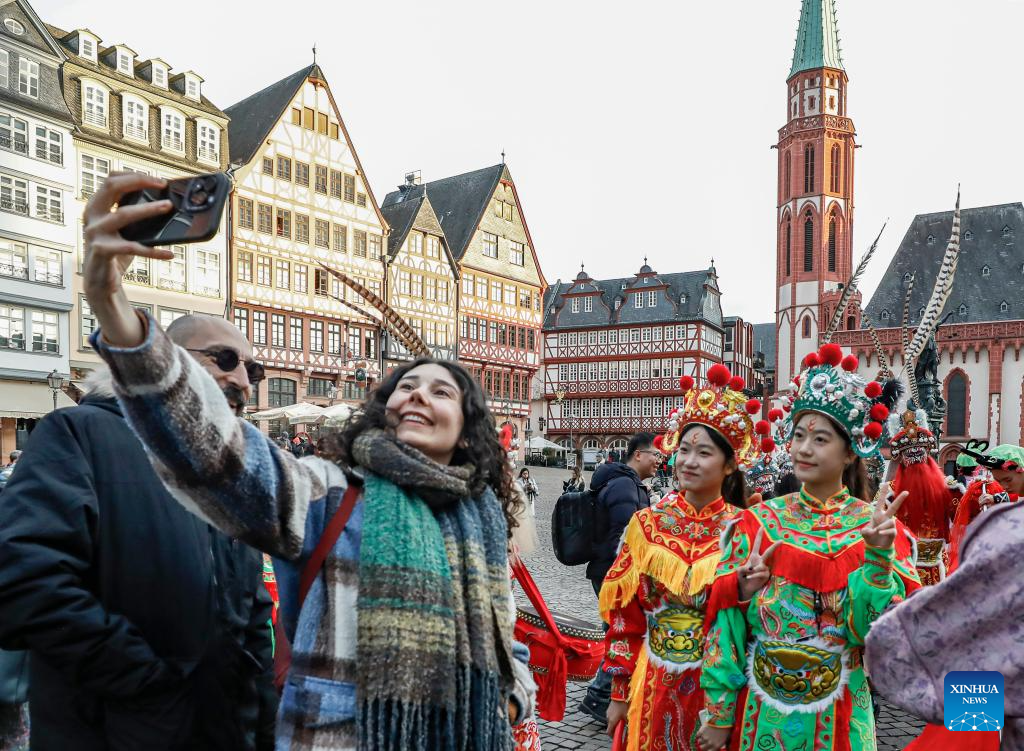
x: 573, y: 524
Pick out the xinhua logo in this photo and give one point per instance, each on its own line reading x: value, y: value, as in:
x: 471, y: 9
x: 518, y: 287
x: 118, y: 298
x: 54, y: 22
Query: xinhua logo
x: 974, y: 700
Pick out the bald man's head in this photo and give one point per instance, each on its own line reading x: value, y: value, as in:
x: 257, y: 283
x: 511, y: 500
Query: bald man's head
x: 205, y: 337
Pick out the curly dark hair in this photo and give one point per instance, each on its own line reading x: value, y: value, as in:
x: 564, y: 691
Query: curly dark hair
x: 478, y: 444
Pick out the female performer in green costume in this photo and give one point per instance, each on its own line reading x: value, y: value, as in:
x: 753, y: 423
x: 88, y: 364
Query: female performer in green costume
x: 803, y: 577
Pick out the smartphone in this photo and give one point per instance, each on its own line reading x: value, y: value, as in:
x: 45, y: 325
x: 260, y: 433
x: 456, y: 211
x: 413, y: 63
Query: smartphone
x: 198, y: 203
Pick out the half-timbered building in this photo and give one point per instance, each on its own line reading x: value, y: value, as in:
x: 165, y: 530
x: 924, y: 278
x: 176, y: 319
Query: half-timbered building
x: 614, y: 350
x: 422, y: 275
x: 499, y: 307
x: 301, y: 203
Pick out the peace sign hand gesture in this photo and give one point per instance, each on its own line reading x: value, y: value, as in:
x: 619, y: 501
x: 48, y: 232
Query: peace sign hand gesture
x: 880, y: 532
x: 755, y: 573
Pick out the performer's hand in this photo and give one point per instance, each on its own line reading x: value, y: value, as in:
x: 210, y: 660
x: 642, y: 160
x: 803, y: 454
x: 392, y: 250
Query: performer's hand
x: 713, y: 739
x: 108, y: 255
x: 755, y: 573
x: 881, y: 530
x: 986, y: 500
x: 617, y: 711
x: 513, y: 713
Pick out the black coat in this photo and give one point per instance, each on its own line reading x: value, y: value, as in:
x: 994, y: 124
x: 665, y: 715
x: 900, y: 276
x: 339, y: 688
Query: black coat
x: 620, y: 494
x: 147, y: 628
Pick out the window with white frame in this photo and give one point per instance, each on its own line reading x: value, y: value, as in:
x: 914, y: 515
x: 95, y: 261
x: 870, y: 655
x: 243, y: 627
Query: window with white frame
x: 49, y: 204
x: 191, y: 87
x: 49, y: 145
x: 13, y: 259
x: 86, y: 321
x: 173, y: 133
x: 616, y: 407
x: 634, y: 335
x: 613, y: 370
x: 28, y: 78
x: 645, y: 334
x: 173, y: 271
x: 124, y: 63
x: 207, y: 277
x: 613, y: 337
x: 652, y: 299
x: 490, y: 244
x: 209, y: 141
x: 94, y: 172
x: 168, y: 316
x: 86, y: 48
x: 13, y: 134
x: 517, y: 253
x: 656, y: 333
x: 588, y: 304
x: 13, y: 195
x: 433, y: 247
x: 634, y: 369
x: 44, y: 332
x: 160, y: 76
x: 638, y: 300
x: 94, y: 104
x: 5, y: 61
x: 136, y: 118
x: 12, y: 327
x: 645, y: 368
x: 575, y: 305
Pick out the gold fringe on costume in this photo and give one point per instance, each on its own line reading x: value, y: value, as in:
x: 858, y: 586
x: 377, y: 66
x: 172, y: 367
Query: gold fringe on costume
x: 636, y: 699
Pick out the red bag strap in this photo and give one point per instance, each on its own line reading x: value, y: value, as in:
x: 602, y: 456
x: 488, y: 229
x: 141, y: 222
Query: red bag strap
x: 529, y: 586
x: 330, y: 536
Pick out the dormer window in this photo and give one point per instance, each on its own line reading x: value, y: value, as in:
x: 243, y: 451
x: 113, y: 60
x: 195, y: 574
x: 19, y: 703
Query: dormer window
x: 682, y: 299
x: 968, y: 235
x: 1007, y: 231
x: 907, y: 277
x: 136, y: 118
x: 962, y: 310
x: 94, y: 104
x: 208, y: 136
x: 588, y: 304
x: 618, y: 303
x: 638, y: 300
x: 1004, y: 306
x: 87, y: 47
x: 931, y: 239
x: 124, y: 63
x: 192, y: 89
x: 575, y: 305
x: 160, y: 76
x: 885, y: 315
x: 986, y: 271
x: 173, y: 130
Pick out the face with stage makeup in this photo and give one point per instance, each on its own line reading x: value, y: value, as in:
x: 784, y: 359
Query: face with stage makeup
x: 820, y: 452
x: 701, y: 463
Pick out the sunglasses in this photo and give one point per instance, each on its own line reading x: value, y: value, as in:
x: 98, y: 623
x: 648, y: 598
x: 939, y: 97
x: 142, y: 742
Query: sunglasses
x: 227, y: 360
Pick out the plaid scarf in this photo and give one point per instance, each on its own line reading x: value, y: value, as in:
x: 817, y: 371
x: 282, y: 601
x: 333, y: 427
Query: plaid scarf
x: 434, y: 627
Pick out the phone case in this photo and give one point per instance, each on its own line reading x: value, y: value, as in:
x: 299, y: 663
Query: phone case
x: 198, y: 205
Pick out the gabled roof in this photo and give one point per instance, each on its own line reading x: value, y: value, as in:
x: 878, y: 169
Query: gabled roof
x: 817, y: 38
x: 253, y: 118
x: 400, y: 217
x: 459, y: 201
x: 765, y: 341
x: 991, y: 237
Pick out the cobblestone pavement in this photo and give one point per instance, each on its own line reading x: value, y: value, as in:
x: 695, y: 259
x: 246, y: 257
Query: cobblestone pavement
x: 567, y: 590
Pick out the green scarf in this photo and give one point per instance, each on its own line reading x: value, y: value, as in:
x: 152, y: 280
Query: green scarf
x: 434, y: 627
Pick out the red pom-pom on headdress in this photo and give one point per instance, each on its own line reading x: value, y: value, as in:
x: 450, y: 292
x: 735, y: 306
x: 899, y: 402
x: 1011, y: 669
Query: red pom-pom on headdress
x: 830, y: 354
x: 753, y: 407
x: 850, y: 364
x: 811, y: 359
x: 686, y: 382
x: 658, y: 440
x: 767, y: 445
x: 873, y: 430
x: 719, y: 375
x: 873, y: 390
x: 736, y: 383
x: 879, y: 412
x: 775, y: 414
x: 761, y: 427
x: 788, y: 407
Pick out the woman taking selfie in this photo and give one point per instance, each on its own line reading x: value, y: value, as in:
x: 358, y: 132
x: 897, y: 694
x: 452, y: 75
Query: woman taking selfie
x: 803, y: 577
x: 421, y: 557
x: 655, y: 594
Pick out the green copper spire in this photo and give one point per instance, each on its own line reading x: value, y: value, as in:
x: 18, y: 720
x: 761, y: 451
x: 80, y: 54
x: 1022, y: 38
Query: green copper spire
x: 817, y: 39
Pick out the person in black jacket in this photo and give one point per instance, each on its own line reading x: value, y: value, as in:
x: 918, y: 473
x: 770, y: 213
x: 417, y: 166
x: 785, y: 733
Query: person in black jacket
x: 620, y: 494
x: 147, y: 628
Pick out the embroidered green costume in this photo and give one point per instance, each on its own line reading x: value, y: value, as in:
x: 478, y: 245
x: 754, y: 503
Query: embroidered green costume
x: 786, y: 669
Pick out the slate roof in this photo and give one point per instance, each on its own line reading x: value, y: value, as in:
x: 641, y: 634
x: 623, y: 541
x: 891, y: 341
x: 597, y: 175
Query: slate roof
x: 400, y: 217
x: 991, y: 237
x: 765, y: 342
x: 459, y: 202
x: 691, y: 283
x: 817, y: 38
x: 254, y: 117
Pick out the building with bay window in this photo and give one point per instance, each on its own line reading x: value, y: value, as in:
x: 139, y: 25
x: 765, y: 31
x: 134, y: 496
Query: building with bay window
x: 141, y: 114
x: 614, y: 351
x: 300, y: 206
x: 37, y: 223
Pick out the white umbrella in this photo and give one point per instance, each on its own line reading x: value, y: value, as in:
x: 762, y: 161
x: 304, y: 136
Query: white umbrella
x: 302, y: 409
x: 335, y: 416
x: 539, y: 443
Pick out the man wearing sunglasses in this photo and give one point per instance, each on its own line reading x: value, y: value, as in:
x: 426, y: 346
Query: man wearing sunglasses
x: 147, y: 628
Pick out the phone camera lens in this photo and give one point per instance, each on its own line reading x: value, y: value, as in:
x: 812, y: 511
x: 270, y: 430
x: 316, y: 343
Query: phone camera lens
x: 199, y: 198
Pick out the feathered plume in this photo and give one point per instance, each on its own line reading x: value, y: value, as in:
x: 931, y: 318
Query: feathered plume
x: 892, y: 391
x: 850, y: 288
x: 905, y: 333
x: 940, y: 293
x: 883, y: 361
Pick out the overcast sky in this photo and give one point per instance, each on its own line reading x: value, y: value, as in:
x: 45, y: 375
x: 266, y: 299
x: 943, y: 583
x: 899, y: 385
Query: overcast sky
x: 631, y: 129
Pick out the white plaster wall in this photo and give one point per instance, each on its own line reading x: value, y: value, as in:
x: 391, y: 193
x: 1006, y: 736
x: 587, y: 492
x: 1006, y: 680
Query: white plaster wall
x: 977, y: 374
x: 1013, y: 385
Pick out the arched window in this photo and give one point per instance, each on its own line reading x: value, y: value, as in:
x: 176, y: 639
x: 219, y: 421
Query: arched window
x: 956, y: 405
x: 851, y: 323
x: 806, y: 331
x: 787, y: 184
x: 808, y: 169
x: 836, y: 163
x: 808, y: 241
x: 789, y: 246
x: 832, y: 242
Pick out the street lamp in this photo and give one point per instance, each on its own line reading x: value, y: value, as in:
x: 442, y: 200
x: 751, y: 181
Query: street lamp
x: 56, y: 382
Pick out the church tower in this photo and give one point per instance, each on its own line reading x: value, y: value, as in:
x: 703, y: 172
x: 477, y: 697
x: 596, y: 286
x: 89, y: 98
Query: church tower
x: 815, y: 191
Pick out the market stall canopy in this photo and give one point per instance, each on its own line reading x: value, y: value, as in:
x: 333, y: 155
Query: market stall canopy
x: 540, y: 443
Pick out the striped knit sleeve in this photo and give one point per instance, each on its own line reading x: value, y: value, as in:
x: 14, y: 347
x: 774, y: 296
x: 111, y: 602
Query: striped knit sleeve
x: 217, y: 465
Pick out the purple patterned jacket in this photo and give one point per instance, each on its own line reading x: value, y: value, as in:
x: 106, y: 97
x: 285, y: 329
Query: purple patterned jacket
x: 974, y: 620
